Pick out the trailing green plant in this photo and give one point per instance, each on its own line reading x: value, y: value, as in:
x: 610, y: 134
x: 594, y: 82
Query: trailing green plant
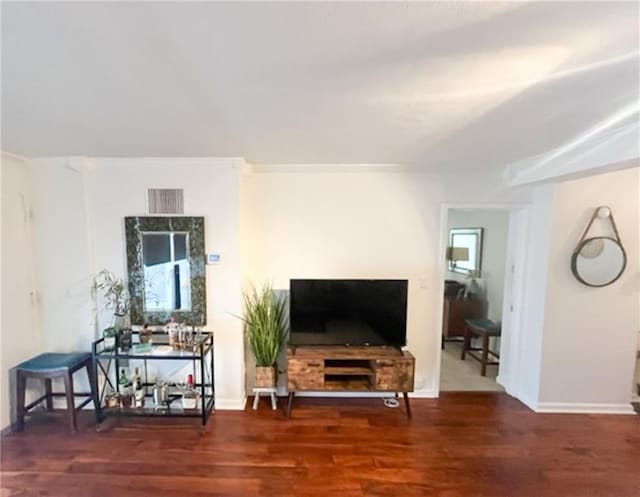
x: 114, y: 292
x: 264, y: 324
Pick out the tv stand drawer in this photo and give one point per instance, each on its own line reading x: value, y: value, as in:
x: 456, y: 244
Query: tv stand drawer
x: 394, y: 375
x: 305, y: 374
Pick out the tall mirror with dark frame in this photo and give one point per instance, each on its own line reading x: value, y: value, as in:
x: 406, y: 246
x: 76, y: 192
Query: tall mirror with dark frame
x: 166, y: 268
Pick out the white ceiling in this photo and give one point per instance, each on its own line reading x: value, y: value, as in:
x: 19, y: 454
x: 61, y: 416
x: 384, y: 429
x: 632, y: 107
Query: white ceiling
x: 444, y: 86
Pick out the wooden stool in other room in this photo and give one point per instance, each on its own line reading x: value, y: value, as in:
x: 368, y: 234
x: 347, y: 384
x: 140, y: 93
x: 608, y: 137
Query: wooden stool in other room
x: 483, y: 328
x: 46, y: 367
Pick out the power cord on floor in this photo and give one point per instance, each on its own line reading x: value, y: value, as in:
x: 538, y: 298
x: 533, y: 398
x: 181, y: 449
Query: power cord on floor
x: 391, y: 402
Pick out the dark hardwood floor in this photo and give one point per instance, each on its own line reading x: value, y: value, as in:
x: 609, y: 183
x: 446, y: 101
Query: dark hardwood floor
x: 466, y: 444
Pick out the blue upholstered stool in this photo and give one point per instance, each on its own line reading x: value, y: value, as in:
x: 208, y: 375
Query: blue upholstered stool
x: 46, y: 367
x: 483, y: 328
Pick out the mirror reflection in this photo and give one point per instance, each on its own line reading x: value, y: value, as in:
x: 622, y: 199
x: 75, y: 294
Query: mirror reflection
x: 465, y: 251
x: 167, y: 278
x: 599, y: 261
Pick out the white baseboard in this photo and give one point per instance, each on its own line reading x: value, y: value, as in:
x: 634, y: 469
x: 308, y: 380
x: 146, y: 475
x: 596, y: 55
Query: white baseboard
x: 583, y: 408
x: 424, y: 394
x: 237, y: 404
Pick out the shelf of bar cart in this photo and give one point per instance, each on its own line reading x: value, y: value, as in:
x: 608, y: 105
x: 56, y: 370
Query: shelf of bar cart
x: 199, y: 352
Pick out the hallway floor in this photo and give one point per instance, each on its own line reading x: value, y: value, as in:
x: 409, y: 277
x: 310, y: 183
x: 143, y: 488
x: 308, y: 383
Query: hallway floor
x: 462, y: 376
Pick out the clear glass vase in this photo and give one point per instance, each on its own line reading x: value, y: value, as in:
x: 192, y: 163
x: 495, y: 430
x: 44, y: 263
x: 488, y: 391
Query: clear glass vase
x: 122, y: 321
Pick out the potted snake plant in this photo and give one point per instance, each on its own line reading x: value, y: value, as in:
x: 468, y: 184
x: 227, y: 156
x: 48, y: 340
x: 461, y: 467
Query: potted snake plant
x: 266, y: 331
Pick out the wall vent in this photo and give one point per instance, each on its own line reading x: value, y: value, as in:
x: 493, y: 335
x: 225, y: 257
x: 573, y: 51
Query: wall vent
x: 166, y: 200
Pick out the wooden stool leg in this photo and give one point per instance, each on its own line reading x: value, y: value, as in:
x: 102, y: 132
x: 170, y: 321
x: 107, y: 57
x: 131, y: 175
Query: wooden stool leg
x: 71, y: 404
x: 274, y: 404
x: 93, y: 384
x: 256, y: 399
x: 48, y: 390
x: 465, y: 342
x: 21, y: 383
x: 485, y: 354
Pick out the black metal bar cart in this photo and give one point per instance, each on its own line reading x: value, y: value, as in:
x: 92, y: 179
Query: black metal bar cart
x: 199, y: 353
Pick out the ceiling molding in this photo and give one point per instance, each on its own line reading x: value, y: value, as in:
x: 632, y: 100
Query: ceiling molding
x: 233, y: 162
x: 332, y: 168
x: 14, y: 156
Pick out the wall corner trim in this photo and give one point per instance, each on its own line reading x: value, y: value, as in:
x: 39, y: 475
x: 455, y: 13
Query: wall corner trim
x: 583, y: 408
x: 243, y: 167
x: 527, y: 401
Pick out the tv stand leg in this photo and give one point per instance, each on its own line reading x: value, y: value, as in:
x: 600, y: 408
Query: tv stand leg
x: 406, y: 404
x: 290, y: 404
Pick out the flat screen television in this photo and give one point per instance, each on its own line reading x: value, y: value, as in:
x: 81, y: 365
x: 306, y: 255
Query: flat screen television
x: 348, y: 312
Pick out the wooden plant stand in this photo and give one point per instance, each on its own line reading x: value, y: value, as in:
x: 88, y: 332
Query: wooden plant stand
x: 343, y: 368
x: 272, y: 391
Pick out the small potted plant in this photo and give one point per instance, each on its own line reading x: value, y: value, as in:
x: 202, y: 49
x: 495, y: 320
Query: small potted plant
x: 266, y: 331
x: 110, y: 335
x: 116, y: 298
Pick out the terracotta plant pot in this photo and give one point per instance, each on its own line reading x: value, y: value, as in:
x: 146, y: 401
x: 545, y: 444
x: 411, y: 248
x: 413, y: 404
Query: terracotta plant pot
x: 266, y: 377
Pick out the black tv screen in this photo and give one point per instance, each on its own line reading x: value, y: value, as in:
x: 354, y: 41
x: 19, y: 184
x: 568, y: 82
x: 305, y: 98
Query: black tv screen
x: 348, y: 312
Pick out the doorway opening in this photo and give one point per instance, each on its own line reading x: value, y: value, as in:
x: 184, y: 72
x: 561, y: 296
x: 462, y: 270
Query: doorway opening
x: 484, y: 250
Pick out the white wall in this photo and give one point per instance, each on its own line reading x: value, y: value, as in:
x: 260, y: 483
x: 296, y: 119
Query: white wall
x: 590, y: 334
x: 20, y: 336
x: 80, y: 230
x: 346, y: 225
x: 363, y: 224
x: 274, y: 225
x: 62, y: 254
x: 494, y: 253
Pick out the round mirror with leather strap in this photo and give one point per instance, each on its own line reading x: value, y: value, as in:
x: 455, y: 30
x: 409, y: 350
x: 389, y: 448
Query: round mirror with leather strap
x: 599, y: 261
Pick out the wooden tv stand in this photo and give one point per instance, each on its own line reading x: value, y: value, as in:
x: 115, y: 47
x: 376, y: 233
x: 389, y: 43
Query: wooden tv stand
x: 342, y: 368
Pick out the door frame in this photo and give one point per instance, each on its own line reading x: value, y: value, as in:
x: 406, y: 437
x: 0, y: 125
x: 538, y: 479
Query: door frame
x: 514, y: 287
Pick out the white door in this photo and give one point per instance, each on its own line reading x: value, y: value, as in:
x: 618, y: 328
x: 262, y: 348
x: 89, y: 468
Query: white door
x: 512, y: 300
x: 20, y: 338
